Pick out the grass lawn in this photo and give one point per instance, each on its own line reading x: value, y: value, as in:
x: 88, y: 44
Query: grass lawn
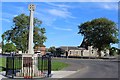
x: 2, y: 63
x: 55, y: 65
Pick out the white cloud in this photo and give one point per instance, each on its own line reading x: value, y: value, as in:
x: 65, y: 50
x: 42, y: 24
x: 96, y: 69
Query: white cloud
x: 58, y: 5
x: 59, y: 10
x: 53, y: 12
x: 63, y: 29
x: 46, y: 19
x: 60, y: 13
x: 15, y: 15
x: 109, y: 6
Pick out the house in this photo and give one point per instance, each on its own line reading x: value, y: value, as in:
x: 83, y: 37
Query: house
x: 83, y: 52
x: 72, y: 50
x: 40, y: 50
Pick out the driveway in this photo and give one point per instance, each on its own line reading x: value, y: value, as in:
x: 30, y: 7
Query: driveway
x: 91, y: 68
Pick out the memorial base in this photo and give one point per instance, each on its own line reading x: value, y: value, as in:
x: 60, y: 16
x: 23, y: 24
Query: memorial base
x: 30, y: 65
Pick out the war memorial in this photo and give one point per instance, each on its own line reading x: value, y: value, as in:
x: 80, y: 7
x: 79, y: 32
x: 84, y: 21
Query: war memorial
x: 29, y: 65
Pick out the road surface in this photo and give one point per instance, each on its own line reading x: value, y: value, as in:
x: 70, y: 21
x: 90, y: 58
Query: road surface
x: 91, y: 68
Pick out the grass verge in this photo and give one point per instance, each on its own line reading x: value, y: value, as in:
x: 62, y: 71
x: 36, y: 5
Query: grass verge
x: 56, y: 65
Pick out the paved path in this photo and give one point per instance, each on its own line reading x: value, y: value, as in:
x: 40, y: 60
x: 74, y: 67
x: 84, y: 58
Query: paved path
x: 61, y: 74
x: 92, y: 68
x: 2, y: 75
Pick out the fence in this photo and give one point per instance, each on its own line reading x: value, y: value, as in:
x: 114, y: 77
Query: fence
x: 28, y: 67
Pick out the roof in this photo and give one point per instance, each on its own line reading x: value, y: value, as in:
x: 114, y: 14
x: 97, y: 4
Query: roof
x: 71, y: 48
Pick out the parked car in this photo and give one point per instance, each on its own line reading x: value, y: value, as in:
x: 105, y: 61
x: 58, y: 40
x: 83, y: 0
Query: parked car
x: 50, y: 54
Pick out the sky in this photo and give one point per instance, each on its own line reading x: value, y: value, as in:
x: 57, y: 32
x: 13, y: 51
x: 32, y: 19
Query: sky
x: 60, y: 19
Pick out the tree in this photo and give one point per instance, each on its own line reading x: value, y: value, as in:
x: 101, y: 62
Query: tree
x: 19, y: 32
x: 59, y: 51
x: 2, y: 42
x: 52, y: 50
x: 99, y: 33
x: 9, y: 47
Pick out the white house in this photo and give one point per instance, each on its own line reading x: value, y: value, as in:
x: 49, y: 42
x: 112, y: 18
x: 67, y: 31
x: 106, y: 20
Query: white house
x: 90, y: 52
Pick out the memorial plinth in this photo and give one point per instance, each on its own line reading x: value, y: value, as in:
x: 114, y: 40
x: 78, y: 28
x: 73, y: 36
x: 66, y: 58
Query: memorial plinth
x: 30, y: 65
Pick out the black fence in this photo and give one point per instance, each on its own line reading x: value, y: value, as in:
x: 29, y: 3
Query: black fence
x: 28, y: 67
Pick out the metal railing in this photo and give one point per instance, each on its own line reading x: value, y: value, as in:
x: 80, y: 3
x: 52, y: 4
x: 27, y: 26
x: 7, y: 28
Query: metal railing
x: 28, y: 67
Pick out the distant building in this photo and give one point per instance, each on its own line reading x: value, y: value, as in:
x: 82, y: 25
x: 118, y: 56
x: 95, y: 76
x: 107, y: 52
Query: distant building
x: 40, y: 49
x: 83, y: 52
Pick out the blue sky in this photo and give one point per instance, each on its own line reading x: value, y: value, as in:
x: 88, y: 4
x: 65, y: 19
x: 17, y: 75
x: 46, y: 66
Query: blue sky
x: 61, y: 19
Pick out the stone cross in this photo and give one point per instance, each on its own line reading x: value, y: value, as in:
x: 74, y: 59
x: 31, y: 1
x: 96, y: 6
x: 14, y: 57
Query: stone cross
x: 31, y: 7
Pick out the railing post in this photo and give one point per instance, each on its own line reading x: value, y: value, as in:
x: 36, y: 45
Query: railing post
x: 7, y: 65
x: 13, y: 66
x: 42, y: 65
x: 49, y: 66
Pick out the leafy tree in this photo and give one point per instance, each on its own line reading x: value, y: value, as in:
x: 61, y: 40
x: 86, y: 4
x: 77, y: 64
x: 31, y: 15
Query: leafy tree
x: 99, y: 33
x: 52, y: 50
x: 9, y: 47
x: 59, y: 51
x: 2, y: 42
x: 19, y: 32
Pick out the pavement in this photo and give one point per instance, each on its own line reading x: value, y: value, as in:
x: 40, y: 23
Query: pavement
x: 55, y: 74
x: 61, y: 74
x: 2, y: 75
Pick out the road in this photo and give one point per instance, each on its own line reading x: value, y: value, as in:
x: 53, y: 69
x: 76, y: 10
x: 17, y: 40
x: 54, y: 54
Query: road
x: 91, y: 68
